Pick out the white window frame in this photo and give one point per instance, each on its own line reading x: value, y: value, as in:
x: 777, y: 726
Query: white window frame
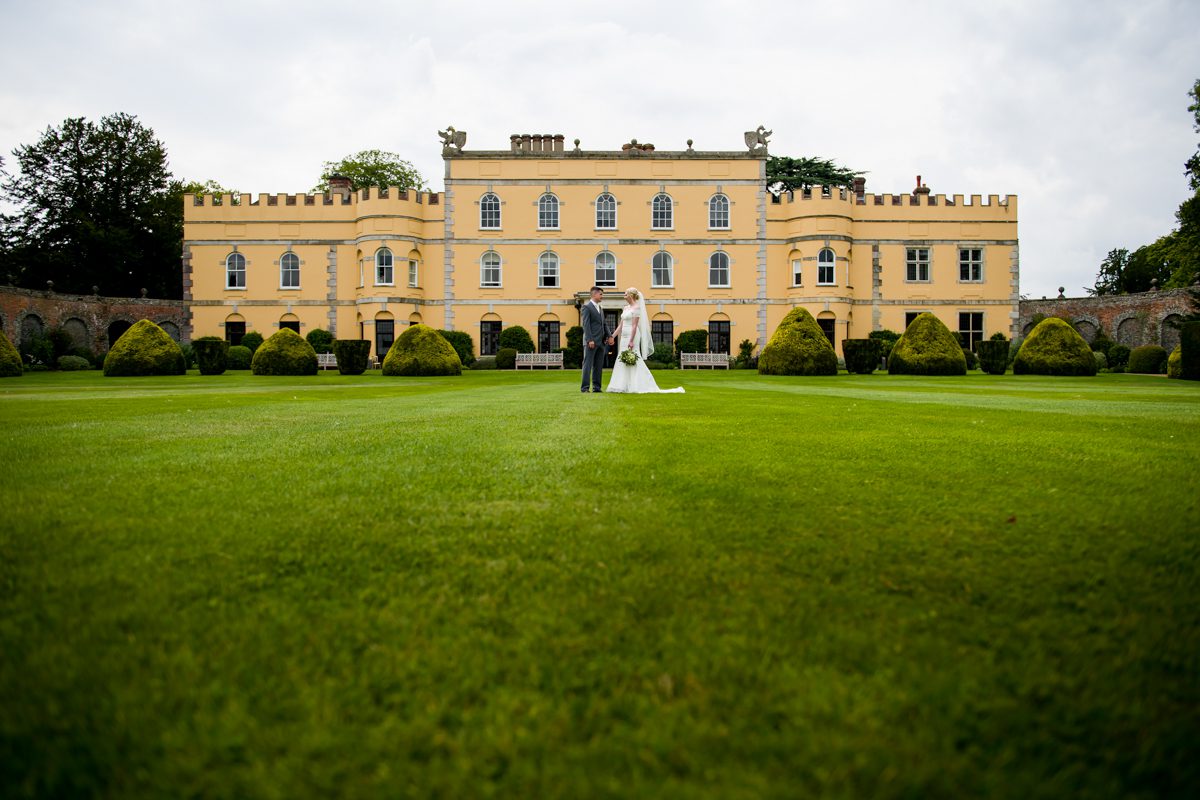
x: 607, y: 255
x: 232, y: 270
x: 972, y: 264
x: 728, y: 277
x: 662, y: 207
x: 916, y: 261
x: 547, y: 205
x: 601, y: 198
x: 283, y: 270
x: 547, y: 257
x: 484, y: 267
x: 414, y: 273
x: 830, y: 265
x: 655, y: 269
x: 715, y: 212
x: 485, y: 212
x: 797, y: 272
x: 390, y: 267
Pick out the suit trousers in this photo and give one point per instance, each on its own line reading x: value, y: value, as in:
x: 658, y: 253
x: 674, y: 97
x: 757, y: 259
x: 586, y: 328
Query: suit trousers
x: 593, y: 364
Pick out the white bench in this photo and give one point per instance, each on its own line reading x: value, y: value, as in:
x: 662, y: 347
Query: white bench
x: 697, y: 360
x: 326, y: 361
x: 547, y: 360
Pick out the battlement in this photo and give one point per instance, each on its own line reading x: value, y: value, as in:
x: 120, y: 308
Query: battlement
x: 842, y: 194
x: 325, y: 199
x: 328, y: 206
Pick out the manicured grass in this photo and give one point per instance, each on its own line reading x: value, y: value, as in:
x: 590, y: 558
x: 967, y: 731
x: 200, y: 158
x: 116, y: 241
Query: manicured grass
x: 853, y: 586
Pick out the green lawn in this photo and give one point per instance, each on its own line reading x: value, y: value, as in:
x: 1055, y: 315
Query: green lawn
x: 861, y: 586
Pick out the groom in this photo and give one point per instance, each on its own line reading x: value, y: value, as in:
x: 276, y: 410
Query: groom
x: 596, y: 337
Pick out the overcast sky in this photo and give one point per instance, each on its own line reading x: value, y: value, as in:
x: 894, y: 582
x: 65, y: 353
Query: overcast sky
x: 1079, y: 108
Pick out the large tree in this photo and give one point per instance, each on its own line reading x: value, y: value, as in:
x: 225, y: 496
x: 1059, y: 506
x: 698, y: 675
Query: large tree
x: 786, y: 174
x: 1192, y: 165
x: 372, y: 168
x: 95, y: 206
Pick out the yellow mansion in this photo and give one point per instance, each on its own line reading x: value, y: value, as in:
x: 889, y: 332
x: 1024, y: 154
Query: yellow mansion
x: 518, y: 237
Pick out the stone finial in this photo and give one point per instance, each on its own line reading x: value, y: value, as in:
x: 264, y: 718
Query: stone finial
x: 50, y: 286
x: 1154, y: 284
x: 1061, y: 296
x: 577, y: 146
x: 144, y: 293
x: 690, y: 150
x: 96, y: 290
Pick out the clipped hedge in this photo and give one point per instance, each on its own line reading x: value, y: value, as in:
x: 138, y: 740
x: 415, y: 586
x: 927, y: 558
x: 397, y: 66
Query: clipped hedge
x: 421, y: 350
x: 252, y: 340
x: 1118, y: 356
x: 798, y: 347
x: 993, y: 356
x: 73, y: 363
x: 1149, y: 359
x: 1189, y: 350
x: 352, y: 355
x: 320, y: 339
x: 463, y: 344
x: 1101, y: 360
x: 285, y: 353
x: 238, y: 357
x: 212, y: 354
x: 1055, y: 348
x: 517, y: 338
x: 1175, y: 363
x: 693, y: 341
x: 927, y: 347
x: 144, y: 349
x: 10, y: 359
x: 506, y: 358
x: 573, y: 352
x: 862, y: 355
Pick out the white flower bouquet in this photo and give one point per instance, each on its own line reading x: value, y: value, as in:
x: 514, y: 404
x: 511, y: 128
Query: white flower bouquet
x: 628, y: 357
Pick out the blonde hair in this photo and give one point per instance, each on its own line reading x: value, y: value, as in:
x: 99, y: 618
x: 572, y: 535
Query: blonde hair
x: 631, y: 292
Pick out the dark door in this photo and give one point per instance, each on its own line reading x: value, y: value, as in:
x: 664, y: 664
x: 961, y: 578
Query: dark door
x: 612, y: 319
x: 489, y: 337
x: 385, y: 334
x: 718, y: 337
x: 547, y: 337
x: 827, y: 328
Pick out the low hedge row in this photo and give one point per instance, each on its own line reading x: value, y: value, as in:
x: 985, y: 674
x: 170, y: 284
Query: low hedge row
x: 352, y: 355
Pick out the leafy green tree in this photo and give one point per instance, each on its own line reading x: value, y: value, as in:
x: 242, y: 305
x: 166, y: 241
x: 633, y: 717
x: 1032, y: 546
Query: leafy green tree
x: 1112, y: 273
x: 788, y: 174
x: 372, y: 168
x: 1192, y: 165
x: 207, y: 187
x: 94, y: 205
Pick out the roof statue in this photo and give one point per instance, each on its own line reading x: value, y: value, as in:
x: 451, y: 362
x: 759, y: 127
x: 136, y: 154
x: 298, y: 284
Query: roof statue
x: 452, y: 141
x: 756, y: 140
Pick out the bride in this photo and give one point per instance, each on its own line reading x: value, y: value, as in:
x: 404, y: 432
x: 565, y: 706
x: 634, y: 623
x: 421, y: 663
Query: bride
x: 634, y: 337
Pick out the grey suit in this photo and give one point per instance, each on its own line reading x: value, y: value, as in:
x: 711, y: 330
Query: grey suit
x: 594, y: 330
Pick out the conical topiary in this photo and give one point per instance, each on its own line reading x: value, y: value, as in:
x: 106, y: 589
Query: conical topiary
x: 1175, y: 363
x: 421, y: 350
x: 144, y: 349
x: 927, y: 347
x: 10, y: 359
x: 798, y: 347
x: 285, y: 353
x: 1054, y: 348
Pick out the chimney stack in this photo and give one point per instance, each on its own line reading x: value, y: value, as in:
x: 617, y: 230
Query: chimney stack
x: 860, y: 188
x: 340, y: 185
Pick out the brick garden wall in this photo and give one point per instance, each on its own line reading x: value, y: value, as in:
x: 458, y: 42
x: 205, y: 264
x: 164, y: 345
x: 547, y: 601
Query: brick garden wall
x: 1132, y: 319
x: 86, y: 317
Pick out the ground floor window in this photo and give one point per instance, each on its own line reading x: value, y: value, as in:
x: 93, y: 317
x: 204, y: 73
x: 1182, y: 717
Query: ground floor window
x: 718, y: 336
x: 489, y: 337
x: 548, y: 340
x: 385, y: 334
x: 234, y: 331
x: 662, y: 331
x: 827, y: 328
x: 293, y: 324
x: 909, y: 316
x: 970, y: 327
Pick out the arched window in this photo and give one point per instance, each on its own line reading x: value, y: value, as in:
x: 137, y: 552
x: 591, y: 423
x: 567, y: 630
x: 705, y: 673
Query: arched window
x: 718, y: 212
x: 384, y: 276
x: 289, y: 271
x: 606, y: 212
x: 826, y: 261
x: 662, y: 212
x: 662, y: 270
x: 489, y: 269
x: 718, y: 269
x: 606, y: 269
x: 235, y: 271
x: 548, y: 270
x: 489, y: 212
x: 547, y: 212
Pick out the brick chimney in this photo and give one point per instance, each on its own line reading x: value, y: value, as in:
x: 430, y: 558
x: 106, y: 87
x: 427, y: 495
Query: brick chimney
x: 921, y: 188
x: 340, y: 185
x: 860, y: 188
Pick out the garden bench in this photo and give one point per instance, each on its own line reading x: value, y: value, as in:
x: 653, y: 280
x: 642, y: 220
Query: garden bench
x: 326, y: 361
x: 697, y: 360
x: 547, y: 360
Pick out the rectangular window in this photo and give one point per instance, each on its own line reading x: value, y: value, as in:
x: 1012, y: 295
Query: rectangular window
x: 970, y: 327
x: 970, y: 264
x: 909, y: 316
x: 383, y: 272
x: 385, y: 334
x: 797, y: 272
x: 662, y: 331
x: 825, y: 274
x: 718, y: 270
x: 412, y: 272
x: 489, y: 270
x: 718, y: 337
x: 917, y: 260
x: 548, y: 340
x: 489, y: 337
x: 289, y: 274
x: 234, y: 331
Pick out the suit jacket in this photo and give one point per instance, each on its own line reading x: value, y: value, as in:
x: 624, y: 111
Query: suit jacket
x: 594, y: 329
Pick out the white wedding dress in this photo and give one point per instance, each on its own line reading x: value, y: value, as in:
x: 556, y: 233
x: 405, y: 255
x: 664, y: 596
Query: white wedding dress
x: 636, y: 379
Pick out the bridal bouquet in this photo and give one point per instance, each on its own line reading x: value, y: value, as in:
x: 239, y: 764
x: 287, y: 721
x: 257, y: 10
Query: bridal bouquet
x: 628, y: 357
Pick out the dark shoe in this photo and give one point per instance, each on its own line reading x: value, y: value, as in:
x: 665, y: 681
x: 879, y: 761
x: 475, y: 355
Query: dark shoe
x: 585, y: 391
x: 597, y: 391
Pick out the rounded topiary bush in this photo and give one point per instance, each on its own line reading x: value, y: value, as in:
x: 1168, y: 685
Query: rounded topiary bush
x: 1149, y: 359
x: 1118, y: 356
x: 1055, y: 348
x: 321, y: 340
x: 463, y: 344
x: 144, y: 349
x: 73, y: 363
x: 351, y: 355
x: 993, y: 356
x: 10, y: 359
x: 421, y: 350
x: 252, y: 340
x: 212, y: 354
x: 238, y: 357
x: 517, y: 338
x: 285, y: 353
x: 862, y: 355
x: 506, y: 358
x: 798, y: 347
x: 1101, y: 360
x: 927, y: 347
x: 693, y: 341
x: 1175, y: 363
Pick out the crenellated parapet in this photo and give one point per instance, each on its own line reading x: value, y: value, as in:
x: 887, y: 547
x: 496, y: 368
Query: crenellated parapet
x: 249, y: 205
